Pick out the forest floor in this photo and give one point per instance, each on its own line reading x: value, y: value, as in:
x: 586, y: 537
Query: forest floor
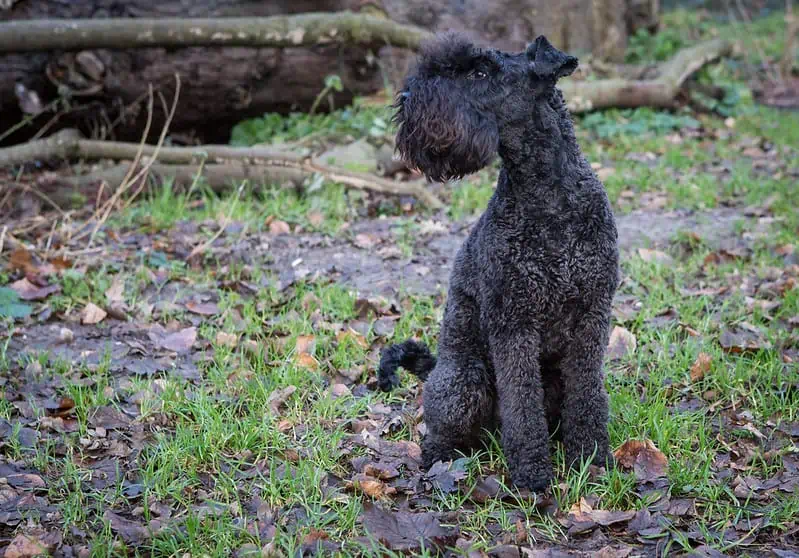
x: 225, y: 404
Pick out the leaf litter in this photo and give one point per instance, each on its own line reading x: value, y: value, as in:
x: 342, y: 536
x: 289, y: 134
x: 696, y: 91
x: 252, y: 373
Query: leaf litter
x: 130, y: 356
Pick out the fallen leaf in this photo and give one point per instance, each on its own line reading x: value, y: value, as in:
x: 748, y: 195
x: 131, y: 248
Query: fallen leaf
x: 407, y: 531
x: 131, y: 532
x: 179, y: 341
x: 109, y: 418
x: 743, y: 341
x: 115, y: 293
x: 621, y: 344
x: 22, y: 260
x: 606, y: 517
x: 59, y: 407
x: 701, y: 366
x: 613, y: 551
x: 28, y: 291
x: 305, y: 344
x: 20, y: 477
x: 203, y: 308
x: 339, y: 390
x: 381, y: 471
x: 278, y: 398
x: 365, y: 241
x: 92, y: 314
x: 24, y: 546
x: 227, y: 339
x: 350, y: 333
x: 655, y: 256
x: 278, y: 227
x: 372, y: 487
x: 445, y: 475
x: 316, y: 218
x: 305, y: 360
x: 644, y: 458
x: 486, y: 489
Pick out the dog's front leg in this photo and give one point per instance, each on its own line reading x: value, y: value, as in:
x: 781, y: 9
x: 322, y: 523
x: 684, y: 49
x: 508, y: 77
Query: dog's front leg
x: 585, y: 400
x: 520, y: 392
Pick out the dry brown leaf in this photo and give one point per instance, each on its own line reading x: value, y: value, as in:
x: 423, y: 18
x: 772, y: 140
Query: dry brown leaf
x: 115, y: 293
x: 21, y: 259
x: 227, y: 339
x: 92, y: 314
x: 203, y: 308
x: 701, y: 366
x: 372, y: 487
x: 180, y: 341
x: 365, y: 241
x: 743, y: 340
x: 24, y: 546
x: 28, y: 291
x: 316, y: 218
x: 59, y: 407
x: 644, y: 458
x: 279, y: 397
x: 278, y: 227
x: 654, y: 256
x: 339, y: 390
x: 621, y: 344
x: 132, y: 532
x: 407, y: 532
x: 306, y: 361
x: 305, y: 344
x: 350, y: 333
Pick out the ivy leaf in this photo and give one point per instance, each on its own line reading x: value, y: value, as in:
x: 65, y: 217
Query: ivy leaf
x: 11, y: 306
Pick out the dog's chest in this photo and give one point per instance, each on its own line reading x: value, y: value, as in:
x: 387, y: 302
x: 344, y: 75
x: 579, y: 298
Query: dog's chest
x: 548, y: 266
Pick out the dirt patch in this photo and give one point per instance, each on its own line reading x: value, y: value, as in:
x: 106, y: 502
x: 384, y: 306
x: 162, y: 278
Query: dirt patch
x: 368, y: 259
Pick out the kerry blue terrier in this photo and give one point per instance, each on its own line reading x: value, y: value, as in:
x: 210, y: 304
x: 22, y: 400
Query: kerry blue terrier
x: 527, y: 317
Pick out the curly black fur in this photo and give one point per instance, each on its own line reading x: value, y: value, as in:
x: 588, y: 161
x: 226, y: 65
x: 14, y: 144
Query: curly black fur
x: 413, y: 356
x: 526, y: 323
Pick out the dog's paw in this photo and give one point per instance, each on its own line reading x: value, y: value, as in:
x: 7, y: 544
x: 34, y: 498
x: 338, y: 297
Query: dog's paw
x: 434, y: 450
x: 535, y: 478
x: 576, y: 456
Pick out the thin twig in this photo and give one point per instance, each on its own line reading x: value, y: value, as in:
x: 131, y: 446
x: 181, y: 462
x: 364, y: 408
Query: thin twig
x: 204, y: 246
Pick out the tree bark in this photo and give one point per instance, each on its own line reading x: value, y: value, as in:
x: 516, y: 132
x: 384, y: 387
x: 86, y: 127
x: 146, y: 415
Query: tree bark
x: 226, y: 84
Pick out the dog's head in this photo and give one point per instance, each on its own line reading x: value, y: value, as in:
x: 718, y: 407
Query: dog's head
x: 460, y: 97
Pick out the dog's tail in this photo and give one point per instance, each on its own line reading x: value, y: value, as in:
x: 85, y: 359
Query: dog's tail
x: 411, y: 355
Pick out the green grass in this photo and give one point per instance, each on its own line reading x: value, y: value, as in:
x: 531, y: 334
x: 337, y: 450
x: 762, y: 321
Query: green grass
x: 207, y: 447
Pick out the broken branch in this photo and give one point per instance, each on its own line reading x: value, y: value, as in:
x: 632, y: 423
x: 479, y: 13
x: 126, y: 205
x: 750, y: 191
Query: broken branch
x: 584, y: 96
x: 68, y: 144
x: 277, y: 31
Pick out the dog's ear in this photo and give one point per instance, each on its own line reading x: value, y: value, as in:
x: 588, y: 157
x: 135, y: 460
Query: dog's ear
x: 549, y: 62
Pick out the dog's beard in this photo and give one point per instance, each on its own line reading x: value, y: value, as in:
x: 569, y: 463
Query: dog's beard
x: 440, y: 139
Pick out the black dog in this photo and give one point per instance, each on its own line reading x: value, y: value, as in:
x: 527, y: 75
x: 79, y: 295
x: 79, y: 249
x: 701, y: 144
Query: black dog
x: 527, y: 318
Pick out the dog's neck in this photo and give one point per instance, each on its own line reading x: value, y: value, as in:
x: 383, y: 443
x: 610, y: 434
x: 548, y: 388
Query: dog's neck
x: 538, y: 154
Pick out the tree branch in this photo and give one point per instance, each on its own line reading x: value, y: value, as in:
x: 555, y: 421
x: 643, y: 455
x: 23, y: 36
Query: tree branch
x: 584, y: 96
x: 68, y: 144
x: 278, y: 31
